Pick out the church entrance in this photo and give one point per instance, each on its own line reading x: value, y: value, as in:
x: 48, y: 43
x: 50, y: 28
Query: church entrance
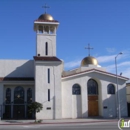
x: 92, y: 105
x: 92, y: 88
x: 18, y: 112
x: 18, y: 107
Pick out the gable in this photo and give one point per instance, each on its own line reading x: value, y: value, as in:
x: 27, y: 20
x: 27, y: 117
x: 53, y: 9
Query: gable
x: 97, y: 72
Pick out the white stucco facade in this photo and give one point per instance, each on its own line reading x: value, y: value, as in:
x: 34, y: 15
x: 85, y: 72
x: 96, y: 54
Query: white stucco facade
x: 63, y: 94
x: 104, y: 99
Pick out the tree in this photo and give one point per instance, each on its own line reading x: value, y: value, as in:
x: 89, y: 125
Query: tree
x: 35, y: 107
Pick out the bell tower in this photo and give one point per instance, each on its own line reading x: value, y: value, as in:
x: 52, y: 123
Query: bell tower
x: 47, y: 68
x: 45, y: 27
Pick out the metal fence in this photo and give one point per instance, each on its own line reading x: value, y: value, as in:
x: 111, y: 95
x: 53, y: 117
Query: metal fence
x: 15, y: 111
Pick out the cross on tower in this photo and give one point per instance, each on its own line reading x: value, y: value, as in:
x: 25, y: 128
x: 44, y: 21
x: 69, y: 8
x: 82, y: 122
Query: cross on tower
x: 45, y: 6
x: 89, y: 48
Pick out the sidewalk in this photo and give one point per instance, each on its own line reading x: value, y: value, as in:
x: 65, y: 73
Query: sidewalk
x: 60, y: 121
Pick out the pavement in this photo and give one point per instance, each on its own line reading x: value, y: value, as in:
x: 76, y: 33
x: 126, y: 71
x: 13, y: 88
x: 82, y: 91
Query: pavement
x: 57, y: 121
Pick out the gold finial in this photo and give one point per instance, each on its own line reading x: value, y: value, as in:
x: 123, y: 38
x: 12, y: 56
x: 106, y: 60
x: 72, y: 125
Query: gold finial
x: 45, y: 6
x: 89, y: 48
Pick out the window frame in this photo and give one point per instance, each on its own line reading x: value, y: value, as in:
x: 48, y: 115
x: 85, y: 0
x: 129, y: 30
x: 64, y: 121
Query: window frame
x: 29, y: 95
x: 76, y: 89
x: 92, y: 87
x: 48, y: 75
x: 49, y: 95
x: 111, y: 89
x: 8, y: 98
x: 19, y: 100
x: 46, y: 48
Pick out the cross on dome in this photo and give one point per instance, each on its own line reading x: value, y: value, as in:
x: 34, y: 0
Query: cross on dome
x: 89, y: 48
x: 45, y: 6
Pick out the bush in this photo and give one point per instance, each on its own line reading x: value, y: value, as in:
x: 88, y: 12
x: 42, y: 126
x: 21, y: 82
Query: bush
x: 35, y: 107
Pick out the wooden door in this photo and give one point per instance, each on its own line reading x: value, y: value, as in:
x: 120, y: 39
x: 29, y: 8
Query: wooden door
x: 93, y: 106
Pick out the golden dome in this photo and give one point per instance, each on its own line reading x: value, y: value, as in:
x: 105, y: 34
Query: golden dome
x: 45, y: 17
x: 89, y: 60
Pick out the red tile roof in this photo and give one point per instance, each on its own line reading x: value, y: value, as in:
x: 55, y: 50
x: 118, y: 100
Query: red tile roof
x: 43, y: 58
x: 16, y: 79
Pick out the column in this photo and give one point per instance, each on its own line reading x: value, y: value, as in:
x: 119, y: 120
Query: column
x: 12, y: 101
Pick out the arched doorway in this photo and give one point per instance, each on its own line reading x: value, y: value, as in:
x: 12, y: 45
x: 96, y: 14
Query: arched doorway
x: 19, y: 106
x: 92, y: 88
x: 16, y: 101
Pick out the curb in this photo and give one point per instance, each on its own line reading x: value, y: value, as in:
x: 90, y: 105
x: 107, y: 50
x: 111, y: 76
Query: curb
x: 31, y: 123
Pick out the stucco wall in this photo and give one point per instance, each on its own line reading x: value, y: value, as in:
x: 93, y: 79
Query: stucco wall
x: 68, y: 100
x: 104, y: 100
x: 42, y: 86
x: 51, y: 40
x: 17, y: 68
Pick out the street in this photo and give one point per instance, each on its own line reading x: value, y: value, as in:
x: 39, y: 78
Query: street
x: 81, y: 126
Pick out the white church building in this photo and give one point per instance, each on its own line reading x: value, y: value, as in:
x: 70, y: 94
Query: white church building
x: 87, y: 91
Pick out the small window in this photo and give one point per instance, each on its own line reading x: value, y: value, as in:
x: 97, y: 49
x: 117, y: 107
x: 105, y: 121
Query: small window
x: 46, y: 48
x: 48, y: 94
x: 110, y: 89
x: 48, y: 73
x: 76, y: 89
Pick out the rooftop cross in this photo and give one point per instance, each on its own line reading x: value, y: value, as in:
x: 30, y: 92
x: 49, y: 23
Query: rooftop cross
x: 45, y: 6
x: 89, y: 48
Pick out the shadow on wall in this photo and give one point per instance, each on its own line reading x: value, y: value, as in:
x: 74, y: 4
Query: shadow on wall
x: 111, y: 100
x: 76, y: 106
x: 123, y: 102
x: 25, y: 70
x: 110, y: 105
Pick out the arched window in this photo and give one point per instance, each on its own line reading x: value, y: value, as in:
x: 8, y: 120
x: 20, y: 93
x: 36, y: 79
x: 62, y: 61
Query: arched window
x: 46, y: 48
x: 76, y: 90
x: 40, y: 29
x: 29, y: 95
x: 92, y: 87
x: 52, y: 29
x: 110, y: 89
x: 46, y: 29
x: 19, y: 95
x: 8, y: 96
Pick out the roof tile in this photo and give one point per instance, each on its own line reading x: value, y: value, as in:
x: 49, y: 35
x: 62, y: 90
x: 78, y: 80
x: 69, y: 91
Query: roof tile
x: 43, y: 58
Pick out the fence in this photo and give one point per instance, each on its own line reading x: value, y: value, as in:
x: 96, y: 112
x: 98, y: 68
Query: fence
x: 15, y: 111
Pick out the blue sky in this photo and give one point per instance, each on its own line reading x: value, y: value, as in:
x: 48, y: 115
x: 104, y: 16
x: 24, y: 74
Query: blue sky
x: 105, y: 24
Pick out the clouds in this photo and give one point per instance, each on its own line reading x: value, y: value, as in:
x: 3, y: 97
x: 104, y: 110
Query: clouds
x: 72, y: 64
x: 108, y: 62
x: 123, y: 67
x: 101, y: 59
x: 110, y: 50
x: 104, y: 59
